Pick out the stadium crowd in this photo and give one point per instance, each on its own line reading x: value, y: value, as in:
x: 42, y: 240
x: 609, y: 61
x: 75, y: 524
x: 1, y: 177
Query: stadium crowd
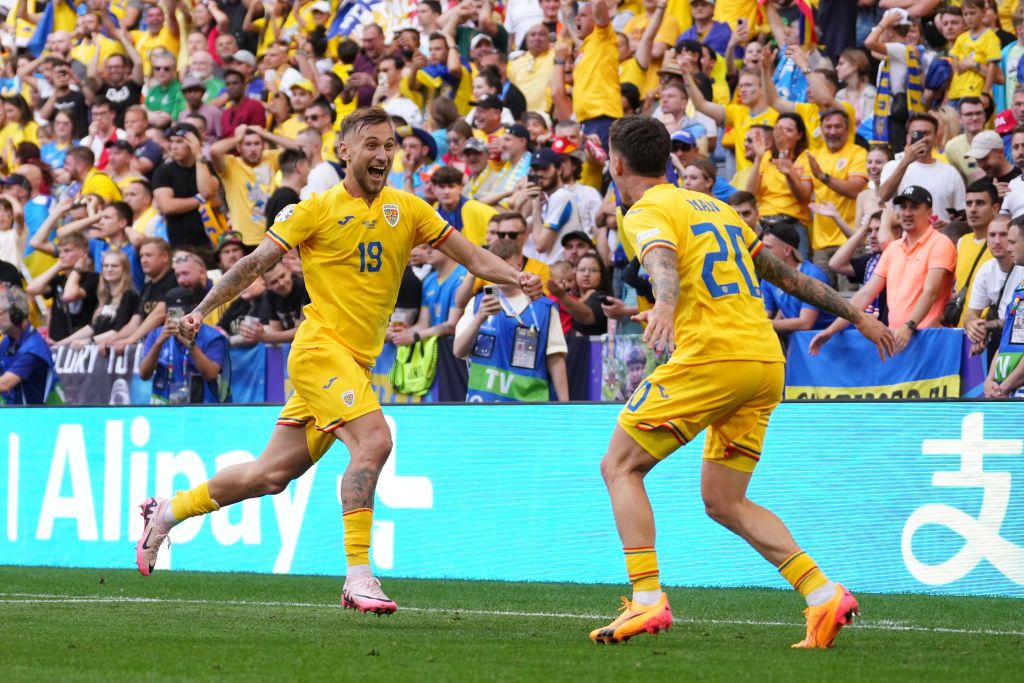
x: 146, y: 146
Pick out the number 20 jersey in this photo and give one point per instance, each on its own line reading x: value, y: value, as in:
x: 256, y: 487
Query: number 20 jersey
x: 353, y: 257
x: 720, y: 314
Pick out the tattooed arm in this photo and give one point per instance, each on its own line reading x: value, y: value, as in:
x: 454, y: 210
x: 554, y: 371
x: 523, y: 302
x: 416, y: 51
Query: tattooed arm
x: 660, y: 264
x: 824, y: 297
x: 232, y: 283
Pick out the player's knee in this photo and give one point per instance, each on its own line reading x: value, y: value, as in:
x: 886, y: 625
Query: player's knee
x: 375, y: 451
x: 725, y: 512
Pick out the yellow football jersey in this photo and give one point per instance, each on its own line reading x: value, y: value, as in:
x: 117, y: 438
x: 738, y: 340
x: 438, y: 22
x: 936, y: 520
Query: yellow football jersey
x: 720, y: 314
x: 353, y: 257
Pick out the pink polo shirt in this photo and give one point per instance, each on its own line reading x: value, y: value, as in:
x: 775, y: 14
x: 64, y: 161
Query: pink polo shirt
x: 905, y: 269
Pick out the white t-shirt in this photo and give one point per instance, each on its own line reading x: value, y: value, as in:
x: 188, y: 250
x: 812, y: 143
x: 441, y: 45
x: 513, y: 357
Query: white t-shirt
x: 322, y: 178
x: 519, y: 302
x: 988, y: 283
x: 559, y: 214
x: 404, y: 107
x: 944, y: 182
x: 586, y: 204
x: 1013, y: 202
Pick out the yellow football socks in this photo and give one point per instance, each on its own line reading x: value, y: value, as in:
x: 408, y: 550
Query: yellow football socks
x: 357, y: 535
x: 642, y: 566
x: 193, y: 503
x: 802, y: 573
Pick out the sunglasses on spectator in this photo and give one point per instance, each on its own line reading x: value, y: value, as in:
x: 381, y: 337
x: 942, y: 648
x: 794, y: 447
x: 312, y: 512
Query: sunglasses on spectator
x: 507, y: 235
x: 682, y: 146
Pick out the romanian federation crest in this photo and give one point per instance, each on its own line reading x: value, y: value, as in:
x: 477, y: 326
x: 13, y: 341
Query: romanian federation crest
x: 391, y: 214
x: 349, y: 397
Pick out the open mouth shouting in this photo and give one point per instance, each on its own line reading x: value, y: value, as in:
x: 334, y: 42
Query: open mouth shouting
x: 377, y: 171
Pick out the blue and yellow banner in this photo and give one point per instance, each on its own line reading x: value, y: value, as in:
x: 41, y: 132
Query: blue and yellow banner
x: 849, y: 367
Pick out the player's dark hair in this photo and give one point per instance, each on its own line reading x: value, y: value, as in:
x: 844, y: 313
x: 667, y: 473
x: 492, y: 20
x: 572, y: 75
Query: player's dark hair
x: 363, y: 118
x: 643, y: 143
x: 447, y: 175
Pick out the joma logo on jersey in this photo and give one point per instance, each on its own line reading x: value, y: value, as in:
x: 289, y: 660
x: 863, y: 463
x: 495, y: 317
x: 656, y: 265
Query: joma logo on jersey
x: 391, y: 214
x: 345, y: 220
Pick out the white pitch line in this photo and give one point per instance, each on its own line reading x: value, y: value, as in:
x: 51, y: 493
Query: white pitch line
x: 881, y: 625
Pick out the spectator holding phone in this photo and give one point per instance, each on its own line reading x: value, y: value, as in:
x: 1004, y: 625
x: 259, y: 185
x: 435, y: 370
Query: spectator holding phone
x: 184, y: 370
x: 515, y: 347
x: 917, y: 166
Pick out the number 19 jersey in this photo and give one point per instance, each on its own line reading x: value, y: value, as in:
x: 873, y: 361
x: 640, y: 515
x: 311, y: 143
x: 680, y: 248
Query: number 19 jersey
x: 720, y: 314
x: 353, y: 257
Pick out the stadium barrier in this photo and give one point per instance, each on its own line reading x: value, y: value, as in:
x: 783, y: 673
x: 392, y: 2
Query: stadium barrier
x: 889, y: 497
x: 935, y: 365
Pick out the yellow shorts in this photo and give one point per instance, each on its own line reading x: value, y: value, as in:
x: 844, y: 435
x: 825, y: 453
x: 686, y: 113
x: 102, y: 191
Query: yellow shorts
x: 677, y: 402
x: 331, y: 388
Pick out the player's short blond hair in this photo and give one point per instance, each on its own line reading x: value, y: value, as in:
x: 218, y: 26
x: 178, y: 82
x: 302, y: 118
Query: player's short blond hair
x: 363, y: 118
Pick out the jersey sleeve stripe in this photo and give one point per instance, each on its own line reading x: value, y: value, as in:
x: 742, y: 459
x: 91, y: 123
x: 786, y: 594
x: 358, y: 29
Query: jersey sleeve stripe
x: 755, y: 246
x: 276, y: 239
x: 655, y: 244
x: 445, y: 234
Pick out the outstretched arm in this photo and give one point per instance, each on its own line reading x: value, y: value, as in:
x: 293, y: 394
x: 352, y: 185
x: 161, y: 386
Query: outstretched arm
x: 232, y: 283
x: 486, y: 265
x: 660, y: 264
x: 824, y: 297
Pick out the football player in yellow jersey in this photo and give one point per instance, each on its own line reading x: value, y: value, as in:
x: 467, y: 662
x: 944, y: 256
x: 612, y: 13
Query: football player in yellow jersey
x: 355, y: 240
x: 726, y: 374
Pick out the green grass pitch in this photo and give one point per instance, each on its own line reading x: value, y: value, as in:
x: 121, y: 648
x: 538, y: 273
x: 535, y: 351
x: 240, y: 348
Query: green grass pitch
x: 114, y: 625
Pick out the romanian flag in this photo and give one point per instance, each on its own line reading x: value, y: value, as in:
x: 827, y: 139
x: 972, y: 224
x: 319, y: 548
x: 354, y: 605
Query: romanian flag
x: 808, y: 32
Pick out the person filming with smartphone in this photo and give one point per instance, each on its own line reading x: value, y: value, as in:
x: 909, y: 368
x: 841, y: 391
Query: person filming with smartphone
x: 186, y: 370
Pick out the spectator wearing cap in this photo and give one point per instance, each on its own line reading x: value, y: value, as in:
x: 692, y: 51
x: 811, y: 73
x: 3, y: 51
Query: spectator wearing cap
x: 186, y: 370
x: 598, y: 104
x: 531, y: 71
x: 715, y: 34
x: 487, y: 125
x: 230, y: 250
x: 474, y: 151
x: 241, y: 110
x: 987, y: 152
x: 244, y: 62
x: 120, y: 155
x: 915, y: 271
x: 389, y: 94
x: 575, y: 245
x: 183, y: 185
x: 80, y: 167
x: 164, y: 99
x: 419, y: 159
x: 155, y: 259
x: 972, y: 121
x: 249, y: 177
x: 295, y: 169
x: 787, y: 312
x: 918, y: 167
x: 840, y: 172
x: 468, y: 216
x: 586, y: 200
x: 300, y: 95
x: 685, y: 153
x: 162, y: 33
x: 27, y: 374
x: 549, y: 206
x: 146, y: 220
x: 516, y: 157
x: 195, y: 91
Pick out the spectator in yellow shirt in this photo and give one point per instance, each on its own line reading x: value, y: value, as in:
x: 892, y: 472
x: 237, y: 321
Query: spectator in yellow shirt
x: 162, y: 32
x: 975, y: 55
x: 80, y: 167
x: 599, y: 102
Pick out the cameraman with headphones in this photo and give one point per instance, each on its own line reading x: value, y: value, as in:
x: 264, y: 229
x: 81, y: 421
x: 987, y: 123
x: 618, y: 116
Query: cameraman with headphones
x: 27, y: 375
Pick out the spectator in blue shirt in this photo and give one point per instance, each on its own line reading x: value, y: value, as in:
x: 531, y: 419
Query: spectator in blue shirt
x: 439, y: 288
x: 714, y: 34
x: 788, y: 313
x: 195, y: 371
x: 27, y: 375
